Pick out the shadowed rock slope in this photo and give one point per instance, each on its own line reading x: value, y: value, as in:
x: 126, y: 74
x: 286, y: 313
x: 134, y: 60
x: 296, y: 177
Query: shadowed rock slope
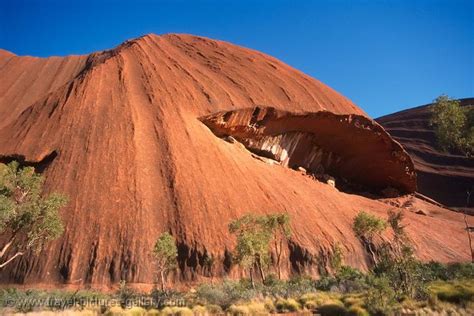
x: 119, y: 132
x: 442, y: 176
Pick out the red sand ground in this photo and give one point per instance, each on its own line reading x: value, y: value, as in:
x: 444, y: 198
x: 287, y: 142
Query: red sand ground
x: 135, y: 161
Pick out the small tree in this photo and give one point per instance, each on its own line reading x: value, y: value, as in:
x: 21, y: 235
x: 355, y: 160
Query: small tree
x: 398, y: 261
x: 453, y: 125
x: 253, y: 243
x: 28, y: 220
x: 279, y: 227
x: 366, y: 226
x: 165, y: 253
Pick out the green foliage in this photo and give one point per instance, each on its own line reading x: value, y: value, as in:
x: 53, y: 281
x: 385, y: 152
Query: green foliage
x: 28, y: 300
x: 367, y: 225
x: 346, y: 279
x: 165, y: 250
x: 28, y: 220
x: 125, y: 294
x: 433, y: 271
x: 398, y: 263
x: 231, y: 292
x: 454, y: 125
x: 287, y: 305
x: 254, y: 235
x: 380, y: 298
x: 253, y: 240
x: 357, y: 311
x: 458, y: 292
x: 333, y: 308
x: 226, y: 293
x: 277, y: 223
x: 165, y: 254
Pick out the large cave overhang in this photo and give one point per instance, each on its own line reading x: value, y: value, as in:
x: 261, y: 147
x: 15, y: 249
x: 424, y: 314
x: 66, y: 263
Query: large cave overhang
x: 347, y: 146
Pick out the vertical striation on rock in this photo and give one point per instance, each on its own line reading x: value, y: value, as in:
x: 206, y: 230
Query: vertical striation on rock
x: 136, y: 161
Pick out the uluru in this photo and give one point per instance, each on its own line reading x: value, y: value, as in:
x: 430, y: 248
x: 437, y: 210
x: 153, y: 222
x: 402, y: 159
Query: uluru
x: 183, y: 134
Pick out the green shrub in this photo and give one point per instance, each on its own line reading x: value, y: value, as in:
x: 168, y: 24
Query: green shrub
x: 214, y: 309
x: 125, y: 294
x: 256, y: 308
x: 238, y: 310
x: 453, y: 125
x: 287, y: 305
x: 136, y: 311
x: 457, y: 292
x: 353, y: 300
x: 181, y: 311
x: 366, y: 225
x: 115, y: 311
x: 310, y: 305
x: 300, y: 284
x: 225, y: 294
x: 357, y: 311
x: 332, y: 308
x: 269, y: 305
x: 326, y: 283
x: 380, y: 298
x: 313, y: 300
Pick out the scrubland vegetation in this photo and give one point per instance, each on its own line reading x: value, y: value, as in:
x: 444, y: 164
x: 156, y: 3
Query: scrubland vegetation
x: 397, y: 282
x: 348, y: 292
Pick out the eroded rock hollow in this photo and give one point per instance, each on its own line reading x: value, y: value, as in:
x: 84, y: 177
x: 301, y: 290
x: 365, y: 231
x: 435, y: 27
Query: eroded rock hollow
x: 352, y: 148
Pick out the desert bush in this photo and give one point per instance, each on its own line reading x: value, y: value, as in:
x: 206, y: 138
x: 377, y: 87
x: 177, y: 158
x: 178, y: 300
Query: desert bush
x: 353, y: 300
x: 114, y: 311
x: 287, y: 305
x: 199, y: 310
x: 214, y: 309
x: 181, y: 311
x: 365, y: 227
x: 225, y: 294
x: 380, y: 298
x: 346, y: 279
x: 314, y: 300
x: 357, y: 311
x: 257, y: 308
x: 136, y: 311
x: 332, y: 308
x: 299, y: 285
x: 125, y: 294
x: 238, y: 310
x: 269, y: 305
x: 457, y: 292
x: 153, y: 312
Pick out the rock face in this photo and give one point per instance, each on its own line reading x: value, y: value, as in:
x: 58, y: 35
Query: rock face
x: 119, y: 132
x: 319, y: 142
x: 442, y: 176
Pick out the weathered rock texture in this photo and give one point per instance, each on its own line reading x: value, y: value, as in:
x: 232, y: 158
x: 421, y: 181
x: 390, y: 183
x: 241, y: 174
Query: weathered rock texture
x: 442, y: 176
x: 118, y: 131
x: 320, y: 143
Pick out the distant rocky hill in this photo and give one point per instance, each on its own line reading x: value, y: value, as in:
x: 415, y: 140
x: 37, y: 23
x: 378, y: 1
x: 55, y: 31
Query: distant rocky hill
x: 442, y: 176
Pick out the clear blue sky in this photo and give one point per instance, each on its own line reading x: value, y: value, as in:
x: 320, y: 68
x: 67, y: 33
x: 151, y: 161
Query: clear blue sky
x: 384, y: 55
